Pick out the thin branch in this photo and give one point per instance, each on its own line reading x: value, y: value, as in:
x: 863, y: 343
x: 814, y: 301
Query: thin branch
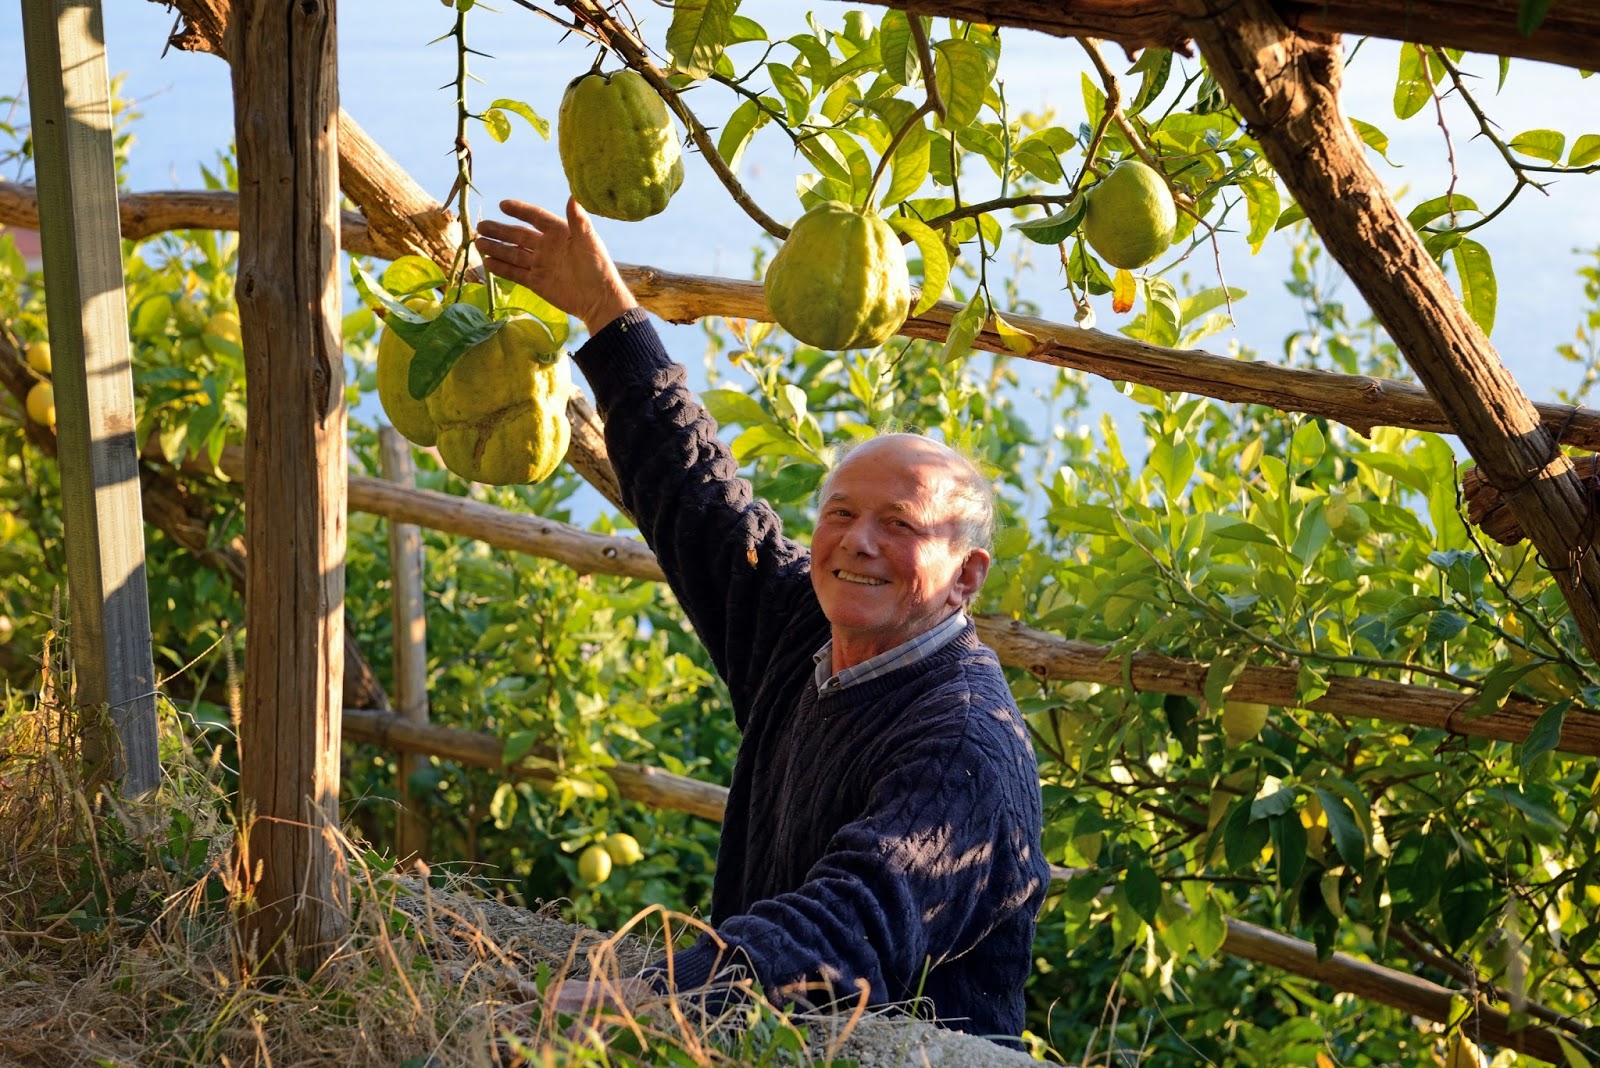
x: 919, y: 34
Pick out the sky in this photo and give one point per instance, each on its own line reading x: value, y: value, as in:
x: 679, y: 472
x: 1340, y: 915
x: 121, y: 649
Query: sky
x: 395, y: 85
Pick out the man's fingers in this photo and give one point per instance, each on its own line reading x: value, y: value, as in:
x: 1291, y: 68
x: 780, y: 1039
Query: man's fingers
x: 504, y: 252
x: 531, y: 213
x: 511, y: 235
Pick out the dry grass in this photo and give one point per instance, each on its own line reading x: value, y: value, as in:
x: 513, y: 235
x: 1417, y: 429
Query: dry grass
x: 117, y: 948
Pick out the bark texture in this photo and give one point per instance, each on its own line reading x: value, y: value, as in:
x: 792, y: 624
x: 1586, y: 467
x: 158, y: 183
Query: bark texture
x: 285, y: 94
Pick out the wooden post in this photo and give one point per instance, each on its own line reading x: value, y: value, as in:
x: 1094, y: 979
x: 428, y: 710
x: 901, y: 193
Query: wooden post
x: 285, y: 96
x: 93, y: 379
x: 410, y: 643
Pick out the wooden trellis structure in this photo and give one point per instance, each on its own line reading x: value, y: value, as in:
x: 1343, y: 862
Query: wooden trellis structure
x: 1278, y: 62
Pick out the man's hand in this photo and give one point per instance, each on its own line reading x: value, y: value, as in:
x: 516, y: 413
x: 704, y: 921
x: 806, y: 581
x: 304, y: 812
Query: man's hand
x: 562, y: 260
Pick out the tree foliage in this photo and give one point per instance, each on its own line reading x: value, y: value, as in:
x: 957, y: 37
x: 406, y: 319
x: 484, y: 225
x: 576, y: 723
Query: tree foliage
x: 1226, y: 534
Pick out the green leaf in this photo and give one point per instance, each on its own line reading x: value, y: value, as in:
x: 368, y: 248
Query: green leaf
x: 896, y: 48
x: 1040, y: 153
x: 443, y: 341
x: 746, y: 119
x: 1444, y: 625
x: 1054, y: 229
x: 1220, y: 677
x: 1438, y: 207
x: 1289, y: 842
x: 1530, y: 15
x: 533, y: 118
x: 965, y: 327
x: 935, y: 259
x: 1142, y: 887
x: 1545, y: 734
x: 1154, y: 65
x: 377, y: 297
x: 1312, y: 684
x: 1347, y: 835
x: 1159, y: 324
x: 1208, y: 928
x: 497, y: 124
x: 1412, y: 89
x: 516, y: 297
x: 964, y: 72
x: 412, y: 274
x: 796, y: 99
x: 1373, y: 138
x: 1478, y: 290
x: 1585, y: 150
x: 1307, y: 446
x: 1261, y: 204
x: 1243, y: 838
x: 700, y: 30
x: 1544, y: 145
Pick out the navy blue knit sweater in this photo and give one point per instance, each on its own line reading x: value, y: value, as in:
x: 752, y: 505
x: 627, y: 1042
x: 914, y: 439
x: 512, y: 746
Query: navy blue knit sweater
x: 888, y: 832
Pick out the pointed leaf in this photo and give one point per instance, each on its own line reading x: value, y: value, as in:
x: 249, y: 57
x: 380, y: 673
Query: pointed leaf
x: 964, y: 74
x: 964, y: 328
x: 746, y: 119
x: 1054, y: 229
x: 1348, y: 838
x: 896, y: 49
x: 1546, y: 145
x: 1016, y: 339
x: 1412, y: 90
x: 534, y: 119
x: 700, y: 30
x: 1545, y: 734
x: 935, y: 259
x: 440, y: 343
x: 1530, y: 15
x: 1585, y: 151
x: 1478, y: 290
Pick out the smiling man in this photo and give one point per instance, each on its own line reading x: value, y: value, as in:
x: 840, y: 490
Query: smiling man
x: 881, y: 838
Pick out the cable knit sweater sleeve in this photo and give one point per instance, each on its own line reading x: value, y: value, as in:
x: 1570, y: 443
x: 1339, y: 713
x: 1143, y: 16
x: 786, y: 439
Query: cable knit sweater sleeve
x: 723, y: 551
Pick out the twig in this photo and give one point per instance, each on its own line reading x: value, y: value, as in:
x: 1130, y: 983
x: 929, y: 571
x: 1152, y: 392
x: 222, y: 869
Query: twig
x: 919, y: 34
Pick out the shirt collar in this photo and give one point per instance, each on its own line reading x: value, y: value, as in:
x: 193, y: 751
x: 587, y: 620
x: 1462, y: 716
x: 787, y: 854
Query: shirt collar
x: 905, y: 654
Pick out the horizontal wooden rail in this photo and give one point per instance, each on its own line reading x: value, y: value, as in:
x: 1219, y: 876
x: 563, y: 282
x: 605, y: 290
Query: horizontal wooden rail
x: 1358, y: 401
x: 662, y: 789
x: 1046, y: 656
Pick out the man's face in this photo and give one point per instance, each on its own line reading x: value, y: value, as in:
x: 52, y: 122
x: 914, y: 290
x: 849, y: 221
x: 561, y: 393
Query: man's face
x: 885, y: 560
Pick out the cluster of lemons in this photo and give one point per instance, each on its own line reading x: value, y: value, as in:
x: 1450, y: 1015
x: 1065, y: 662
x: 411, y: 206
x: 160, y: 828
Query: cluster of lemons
x: 596, y: 861
x: 41, y: 402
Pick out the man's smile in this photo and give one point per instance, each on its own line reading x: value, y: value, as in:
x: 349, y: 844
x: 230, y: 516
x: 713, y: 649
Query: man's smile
x: 860, y: 580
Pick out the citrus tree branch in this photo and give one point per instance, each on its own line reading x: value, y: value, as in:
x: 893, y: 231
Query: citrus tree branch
x: 919, y: 34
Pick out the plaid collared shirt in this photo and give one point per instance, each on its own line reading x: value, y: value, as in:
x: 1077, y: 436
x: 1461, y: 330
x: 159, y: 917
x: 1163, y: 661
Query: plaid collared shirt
x: 906, y: 653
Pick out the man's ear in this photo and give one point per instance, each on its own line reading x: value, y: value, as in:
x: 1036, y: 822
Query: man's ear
x: 969, y: 579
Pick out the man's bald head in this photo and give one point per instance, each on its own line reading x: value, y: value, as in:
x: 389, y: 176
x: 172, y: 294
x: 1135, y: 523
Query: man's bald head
x: 964, y: 495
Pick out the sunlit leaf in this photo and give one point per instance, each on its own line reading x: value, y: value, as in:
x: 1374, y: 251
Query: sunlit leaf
x: 935, y: 259
x: 1546, y: 145
x: 742, y: 124
x: 964, y: 72
x: 1154, y: 65
x: 965, y: 327
x: 1412, y: 89
x: 1450, y: 204
x: 1016, y: 339
x: 517, y: 107
x: 896, y: 48
x: 1261, y: 205
x: 1478, y: 291
x: 441, y: 342
x: 1585, y: 151
x: 1054, y: 229
x: 1124, y: 290
x: 699, y: 31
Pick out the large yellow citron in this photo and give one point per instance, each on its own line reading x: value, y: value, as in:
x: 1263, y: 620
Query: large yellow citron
x: 839, y: 281
x: 409, y: 415
x: 501, y: 412
x: 618, y: 147
x: 1130, y: 217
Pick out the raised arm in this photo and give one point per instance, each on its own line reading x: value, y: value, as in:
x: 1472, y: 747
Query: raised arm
x: 738, y: 578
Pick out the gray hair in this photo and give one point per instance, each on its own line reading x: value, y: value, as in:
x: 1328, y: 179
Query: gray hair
x: 972, y: 492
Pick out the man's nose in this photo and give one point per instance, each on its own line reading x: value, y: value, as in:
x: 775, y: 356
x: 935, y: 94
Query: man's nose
x: 859, y: 538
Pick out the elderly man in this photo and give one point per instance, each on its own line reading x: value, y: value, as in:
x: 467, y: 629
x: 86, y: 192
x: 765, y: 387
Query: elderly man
x: 882, y: 829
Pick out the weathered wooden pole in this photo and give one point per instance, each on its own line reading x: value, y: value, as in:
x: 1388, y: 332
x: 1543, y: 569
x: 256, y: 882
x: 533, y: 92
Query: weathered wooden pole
x: 410, y: 624
x: 285, y: 95
x: 93, y: 381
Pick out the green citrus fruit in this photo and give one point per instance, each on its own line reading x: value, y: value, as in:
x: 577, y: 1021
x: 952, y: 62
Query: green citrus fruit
x: 594, y: 865
x: 839, y: 281
x: 501, y: 412
x: 624, y: 849
x: 409, y: 415
x: 41, y: 404
x: 618, y: 148
x: 1130, y: 216
x: 1242, y: 721
x: 39, y: 356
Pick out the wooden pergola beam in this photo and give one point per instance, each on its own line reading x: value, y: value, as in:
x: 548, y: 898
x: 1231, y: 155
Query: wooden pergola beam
x: 1046, y: 656
x: 1569, y: 34
x: 1360, y: 402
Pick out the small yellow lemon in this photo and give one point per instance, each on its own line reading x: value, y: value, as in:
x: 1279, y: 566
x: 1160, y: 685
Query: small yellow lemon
x: 1242, y: 721
x: 594, y: 865
x: 42, y: 404
x: 623, y: 849
x: 39, y: 356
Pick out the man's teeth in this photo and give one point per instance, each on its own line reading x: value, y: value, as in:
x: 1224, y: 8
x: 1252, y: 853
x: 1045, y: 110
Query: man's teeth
x: 863, y: 580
